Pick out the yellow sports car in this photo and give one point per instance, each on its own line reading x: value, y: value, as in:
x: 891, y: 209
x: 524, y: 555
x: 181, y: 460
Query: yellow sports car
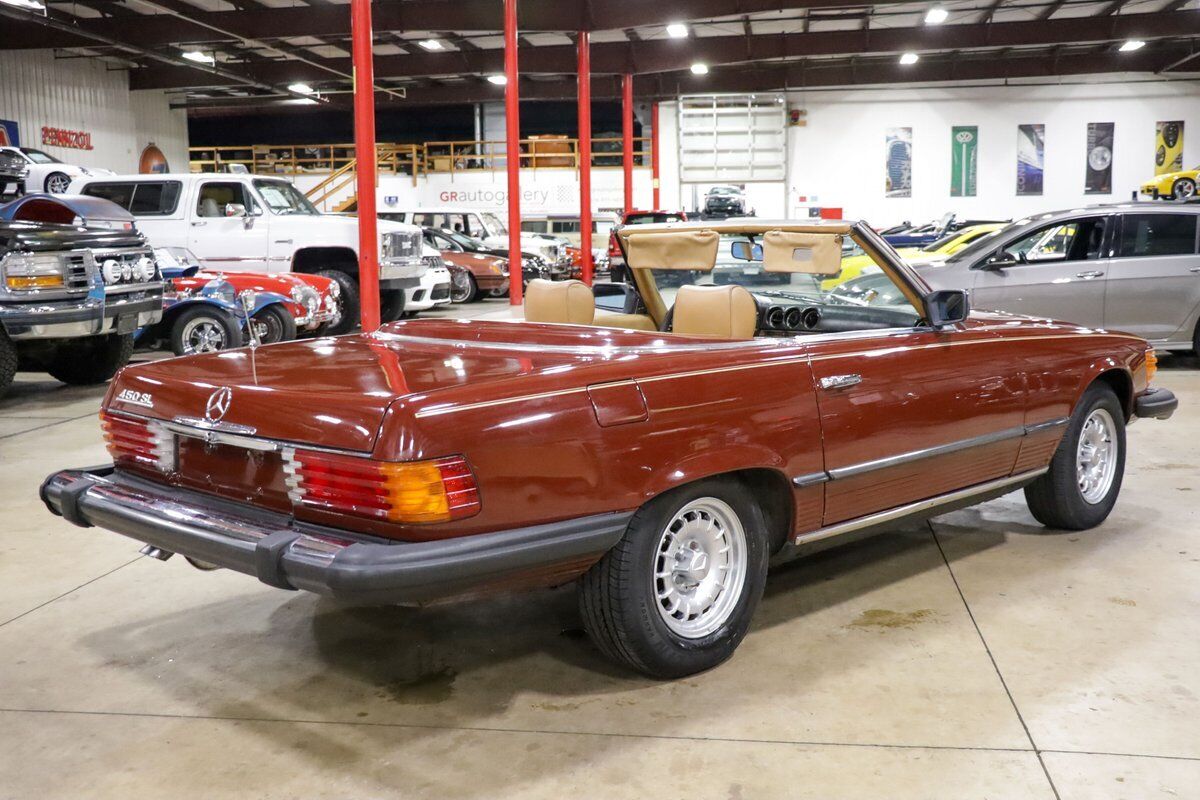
x: 855, y: 260
x: 1179, y: 185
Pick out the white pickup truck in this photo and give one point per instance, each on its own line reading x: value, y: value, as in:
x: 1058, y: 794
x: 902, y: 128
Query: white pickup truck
x: 251, y: 223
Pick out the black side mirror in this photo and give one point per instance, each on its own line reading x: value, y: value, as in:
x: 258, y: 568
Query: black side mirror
x: 947, y: 307
x: 620, y: 298
x: 1001, y: 260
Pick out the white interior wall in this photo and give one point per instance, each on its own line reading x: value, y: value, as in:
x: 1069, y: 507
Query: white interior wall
x: 37, y: 89
x: 838, y: 157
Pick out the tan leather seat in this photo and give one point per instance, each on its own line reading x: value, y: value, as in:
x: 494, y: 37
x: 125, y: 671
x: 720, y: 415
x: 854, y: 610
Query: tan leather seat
x: 727, y: 312
x: 559, y: 301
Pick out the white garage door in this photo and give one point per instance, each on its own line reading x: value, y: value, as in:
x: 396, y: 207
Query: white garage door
x: 732, y: 138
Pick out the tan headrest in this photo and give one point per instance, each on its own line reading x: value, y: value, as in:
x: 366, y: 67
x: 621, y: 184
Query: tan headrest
x: 687, y: 248
x: 559, y: 301
x: 810, y: 253
x: 727, y: 312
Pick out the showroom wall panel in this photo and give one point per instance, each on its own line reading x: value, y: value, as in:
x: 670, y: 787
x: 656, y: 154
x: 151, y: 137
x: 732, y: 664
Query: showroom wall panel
x: 839, y: 156
x: 86, y: 95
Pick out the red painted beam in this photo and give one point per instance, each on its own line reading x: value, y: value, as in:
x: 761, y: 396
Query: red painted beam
x: 365, y: 172
x: 627, y: 137
x: 654, y: 165
x: 584, y: 79
x: 512, y: 149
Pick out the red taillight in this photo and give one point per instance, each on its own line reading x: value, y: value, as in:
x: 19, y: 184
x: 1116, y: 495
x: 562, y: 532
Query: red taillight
x: 407, y: 492
x: 138, y: 441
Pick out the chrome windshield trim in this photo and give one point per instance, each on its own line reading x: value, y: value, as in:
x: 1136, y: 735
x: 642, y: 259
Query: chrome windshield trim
x: 918, y: 507
x: 926, y: 452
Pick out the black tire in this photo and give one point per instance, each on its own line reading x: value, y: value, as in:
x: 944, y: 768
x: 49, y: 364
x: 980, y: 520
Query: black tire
x: 463, y: 288
x: 1056, y: 498
x: 391, y: 305
x: 8, y: 362
x: 204, y: 321
x: 619, y: 595
x: 90, y: 361
x: 348, y: 299
x: 56, y: 183
x: 1183, y: 189
x: 278, y: 324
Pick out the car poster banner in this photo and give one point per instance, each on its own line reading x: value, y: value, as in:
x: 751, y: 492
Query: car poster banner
x: 1098, y: 179
x: 1031, y: 158
x: 1168, y: 147
x: 899, y: 162
x: 10, y: 135
x: 964, y: 142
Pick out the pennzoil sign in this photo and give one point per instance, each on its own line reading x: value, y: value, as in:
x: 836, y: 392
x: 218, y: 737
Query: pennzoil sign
x: 61, y: 137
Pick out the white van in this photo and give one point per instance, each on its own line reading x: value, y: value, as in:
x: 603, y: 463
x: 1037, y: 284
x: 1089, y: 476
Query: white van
x: 252, y: 223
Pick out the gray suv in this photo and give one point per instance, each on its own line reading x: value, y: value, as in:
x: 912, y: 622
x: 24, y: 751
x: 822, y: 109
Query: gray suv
x: 1130, y: 267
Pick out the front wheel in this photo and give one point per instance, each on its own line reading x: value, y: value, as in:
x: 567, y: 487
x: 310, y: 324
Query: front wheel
x: 8, y: 362
x: 675, y: 596
x: 204, y: 329
x: 57, y: 183
x: 347, y: 300
x: 1183, y: 189
x: 1084, y: 479
x: 274, y: 324
x: 391, y: 305
x: 463, y: 288
x: 92, y: 360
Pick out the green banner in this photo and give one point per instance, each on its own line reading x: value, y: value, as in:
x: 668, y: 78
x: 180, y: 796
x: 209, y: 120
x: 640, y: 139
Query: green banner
x: 964, y: 143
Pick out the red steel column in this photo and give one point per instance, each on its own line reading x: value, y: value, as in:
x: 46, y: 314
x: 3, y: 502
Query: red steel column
x: 366, y: 170
x: 512, y: 149
x: 627, y: 136
x: 654, y: 154
x: 585, y: 153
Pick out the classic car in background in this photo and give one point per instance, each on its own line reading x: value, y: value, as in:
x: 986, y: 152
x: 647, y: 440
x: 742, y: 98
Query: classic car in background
x: 239, y: 223
x: 436, y: 459
x: 71, y: 296
x: 533, y: 266
x: 45, y: 173
x: 209, y: 318
x: 1178, y: 185
x: 1128, y: 267
x: 725, y: 201
x: 488, y: 228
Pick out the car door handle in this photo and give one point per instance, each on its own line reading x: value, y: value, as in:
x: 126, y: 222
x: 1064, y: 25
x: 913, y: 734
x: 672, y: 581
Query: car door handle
x: 1195, y: 269
x: 198, y: 224
x: 1090, y: 274
x: 840, y: 381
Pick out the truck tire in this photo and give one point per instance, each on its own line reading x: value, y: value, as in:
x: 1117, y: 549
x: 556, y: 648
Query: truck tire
x: 276, y: 323
x: 90, y: 361
x: 348, y: 300
x: 391, y: 305
x: 8, y: 362
x: 675, y: 596
x: 1084, y: 479
x: 204, y: 329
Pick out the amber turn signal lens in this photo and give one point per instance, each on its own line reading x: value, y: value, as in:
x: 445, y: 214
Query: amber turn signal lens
x: 1151, y: 365
x: 34, y: 281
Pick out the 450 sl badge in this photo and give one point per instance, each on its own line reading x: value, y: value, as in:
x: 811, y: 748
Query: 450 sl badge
x: 142, y: 399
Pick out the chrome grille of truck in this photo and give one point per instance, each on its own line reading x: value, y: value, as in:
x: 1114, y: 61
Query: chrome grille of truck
x: 401, y: 245
x: 77, y: 271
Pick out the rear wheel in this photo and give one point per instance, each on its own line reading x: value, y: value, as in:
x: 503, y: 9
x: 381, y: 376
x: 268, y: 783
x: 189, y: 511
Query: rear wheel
x: 274, y: 324
x: 1183, y: 189
x: 676, y: 594
x: 1084, y: 479
x: 8, y: 362
x: 204, y: 329
x: 92, y: 360
x: 463, y: 287
x: 347, y: 300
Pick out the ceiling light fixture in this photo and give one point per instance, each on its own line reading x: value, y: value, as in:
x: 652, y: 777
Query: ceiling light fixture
x: 199, y: 57
x: 499, y: 80
x: 699, y: 69
x: 431, y: 44
x: 1131, y: 45
x: 909, y: 58
x: 677, y: 30
x: 300, y: 88
x: 936, y: 15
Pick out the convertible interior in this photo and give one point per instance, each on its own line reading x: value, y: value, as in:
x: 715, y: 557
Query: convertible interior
x: 770, y: 284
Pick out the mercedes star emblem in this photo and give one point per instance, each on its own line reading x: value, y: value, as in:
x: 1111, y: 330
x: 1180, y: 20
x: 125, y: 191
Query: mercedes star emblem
x: 218, y: 404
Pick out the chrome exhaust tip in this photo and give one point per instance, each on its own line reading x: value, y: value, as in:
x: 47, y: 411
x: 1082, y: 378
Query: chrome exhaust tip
x: 156, y: 552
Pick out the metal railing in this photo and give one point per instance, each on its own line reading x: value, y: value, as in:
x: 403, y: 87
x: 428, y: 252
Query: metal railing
x: 537, y: 152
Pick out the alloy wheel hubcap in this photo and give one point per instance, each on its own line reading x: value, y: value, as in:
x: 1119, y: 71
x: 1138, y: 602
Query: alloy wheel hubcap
x: 203, y: 336
x: 57, y: 185
x: 460, y: 286
x: 700, y: 568
x: 1096, y: 456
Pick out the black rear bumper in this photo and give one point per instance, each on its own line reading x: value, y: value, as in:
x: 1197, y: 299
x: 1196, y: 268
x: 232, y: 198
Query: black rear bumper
x: 280, y: 552
x: 1156, y: 403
